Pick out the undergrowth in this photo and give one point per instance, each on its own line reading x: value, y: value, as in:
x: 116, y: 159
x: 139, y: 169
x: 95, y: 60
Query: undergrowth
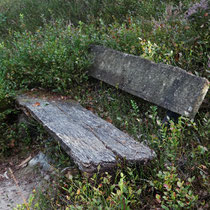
x: 44, y: 45
x: 54, y: 57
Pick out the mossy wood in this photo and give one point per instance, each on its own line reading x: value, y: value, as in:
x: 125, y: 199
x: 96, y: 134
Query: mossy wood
x: 88, y: 139
x: 167, y: 86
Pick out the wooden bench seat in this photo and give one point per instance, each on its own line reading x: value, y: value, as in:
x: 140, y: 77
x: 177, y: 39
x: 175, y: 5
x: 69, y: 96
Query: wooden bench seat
x: 88, y: 139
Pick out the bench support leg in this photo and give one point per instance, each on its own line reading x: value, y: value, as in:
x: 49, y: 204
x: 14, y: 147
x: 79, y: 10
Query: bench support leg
x: 170, y: 116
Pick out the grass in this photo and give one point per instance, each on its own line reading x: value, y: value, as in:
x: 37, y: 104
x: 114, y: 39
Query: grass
x: 44, y: 44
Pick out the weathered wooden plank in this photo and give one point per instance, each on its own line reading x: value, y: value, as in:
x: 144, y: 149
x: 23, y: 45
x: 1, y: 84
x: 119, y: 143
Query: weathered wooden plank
x: 88, y: 139
x: 167, y: 86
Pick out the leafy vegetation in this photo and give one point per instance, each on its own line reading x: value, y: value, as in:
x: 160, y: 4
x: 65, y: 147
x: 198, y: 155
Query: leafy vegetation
x: 44, y: 44
x: 53, y: 58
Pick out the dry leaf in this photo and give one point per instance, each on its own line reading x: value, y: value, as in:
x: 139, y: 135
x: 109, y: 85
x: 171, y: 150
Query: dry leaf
x: 90, y: 98
x: 108, y: 119
x: 203, y: 167
x: 90, y: 108
x: 12, y: 143
x: 37, y: 104
x: 63, y: 97
x: 78, y: 191
x: 176, y: 57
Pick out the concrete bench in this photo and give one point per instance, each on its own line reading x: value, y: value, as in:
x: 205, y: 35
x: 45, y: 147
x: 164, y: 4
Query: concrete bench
x: 167, y: 86
x: 89, y: 140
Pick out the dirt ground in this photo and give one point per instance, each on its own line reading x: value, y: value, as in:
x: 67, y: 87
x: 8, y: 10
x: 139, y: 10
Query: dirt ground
x: 20, y: 176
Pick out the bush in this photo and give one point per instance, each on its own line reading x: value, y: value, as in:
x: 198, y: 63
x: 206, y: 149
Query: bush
x: 177, y: 194
x: 6, y: 96
x: 54, y: 57
x: 6, y: 109
x: 70, y: 11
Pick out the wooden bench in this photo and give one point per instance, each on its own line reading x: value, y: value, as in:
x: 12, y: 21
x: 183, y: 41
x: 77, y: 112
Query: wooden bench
x: 89, y: 140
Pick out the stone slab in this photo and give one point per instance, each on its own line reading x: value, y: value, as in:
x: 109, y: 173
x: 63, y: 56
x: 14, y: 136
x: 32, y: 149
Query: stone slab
x: 164, y: 85
x: 88, y: 139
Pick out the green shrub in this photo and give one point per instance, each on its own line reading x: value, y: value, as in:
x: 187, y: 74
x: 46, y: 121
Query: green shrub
x: 181, y: 40
x: 6, y: 96
x: 6, y: 109
x: 123, y: 37
x: 175, y: 193
x: 16, y: 136
x: 54, y: 57
x: 70, y: 11
x: 161, y: 28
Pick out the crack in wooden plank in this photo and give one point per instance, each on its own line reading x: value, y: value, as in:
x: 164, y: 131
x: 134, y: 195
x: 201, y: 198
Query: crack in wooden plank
x: 88, y: 153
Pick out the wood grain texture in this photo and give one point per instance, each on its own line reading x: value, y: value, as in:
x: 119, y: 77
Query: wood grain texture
x: 88, y: 139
